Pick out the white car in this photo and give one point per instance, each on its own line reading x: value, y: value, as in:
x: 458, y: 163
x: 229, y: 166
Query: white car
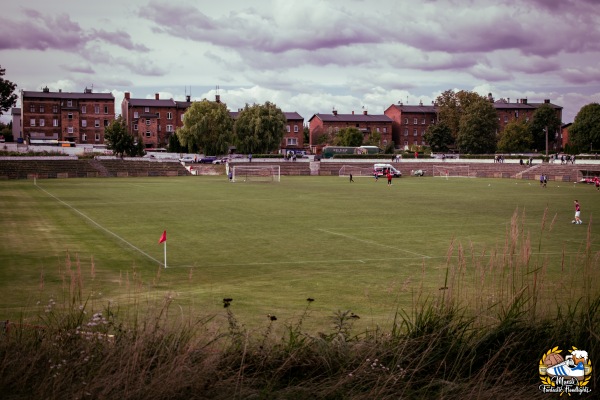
x: 187, y: 159
x: 223, y: 160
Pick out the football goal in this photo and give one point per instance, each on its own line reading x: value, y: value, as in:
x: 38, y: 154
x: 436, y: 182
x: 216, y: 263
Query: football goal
x: 453, y: 171
x: 356, y: 171
x: 256, y: 173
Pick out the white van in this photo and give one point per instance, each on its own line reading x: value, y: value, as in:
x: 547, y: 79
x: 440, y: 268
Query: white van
x: 382, y: 170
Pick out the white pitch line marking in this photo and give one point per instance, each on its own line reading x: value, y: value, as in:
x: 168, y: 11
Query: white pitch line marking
x: 373, y: 243
x: 98, y: 225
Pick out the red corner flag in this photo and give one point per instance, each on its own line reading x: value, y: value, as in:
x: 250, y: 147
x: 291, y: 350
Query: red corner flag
x: 163, y: 237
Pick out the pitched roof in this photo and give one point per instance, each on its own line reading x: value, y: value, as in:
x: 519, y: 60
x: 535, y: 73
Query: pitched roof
x: 352, y: 118
x: 292, y: 116
x: 407, y: 108
x: 69, y: 95
x: 151, y: 103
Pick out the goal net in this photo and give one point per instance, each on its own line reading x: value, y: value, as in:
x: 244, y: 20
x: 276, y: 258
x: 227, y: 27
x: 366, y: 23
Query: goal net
x: 454, y: 171
x: 258, y: 173
x: 356, y: 171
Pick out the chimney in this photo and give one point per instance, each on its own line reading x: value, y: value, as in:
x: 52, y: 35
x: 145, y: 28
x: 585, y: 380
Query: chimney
x: 420, y: 102
x: 46, y: 90
x: 365, y: 112
x: 187, y: 98
x: 156, y: 96
x: 508, y: 99
x: 218, y: 98
x: 59, y: 90
x: 524, y: 101
x: 352, y: 112
x: 546, y: 101
x: 127, y: 94
x: 334, y: 112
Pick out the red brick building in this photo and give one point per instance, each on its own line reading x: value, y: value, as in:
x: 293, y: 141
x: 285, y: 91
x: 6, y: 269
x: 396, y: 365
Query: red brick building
x: 153, y: 120
x: 48, y: 117
x: 330, y: 124
x: 409, y: 123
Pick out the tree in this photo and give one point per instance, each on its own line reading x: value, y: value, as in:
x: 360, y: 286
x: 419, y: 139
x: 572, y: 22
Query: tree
x: 349, y: 137
x: 545, y: 117
x: 259, y: 128
x: 7, y: 96
x: 516, y: 137
x: 306, y: 132
x: 439, y: 137
x: 477, y: 128
x: 139, y: 149
x: 585, y: 130
x: 451, y: 106
x: 174, y: 146
x: 118, y: 139
x: 207, y: 126
x: 374, y: 139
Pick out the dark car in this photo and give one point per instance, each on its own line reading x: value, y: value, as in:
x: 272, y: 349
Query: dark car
x: 208, y: 159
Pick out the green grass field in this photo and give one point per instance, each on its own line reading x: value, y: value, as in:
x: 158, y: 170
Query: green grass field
x: 360, y: 246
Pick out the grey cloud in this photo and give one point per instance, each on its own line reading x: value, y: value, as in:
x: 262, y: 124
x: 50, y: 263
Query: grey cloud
x: 118, y: 38
x: 84, y: 69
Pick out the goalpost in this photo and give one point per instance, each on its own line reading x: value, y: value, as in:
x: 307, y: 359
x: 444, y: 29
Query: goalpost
x: 454, y: 171
x: 256, y: 173
x: 356, y: 172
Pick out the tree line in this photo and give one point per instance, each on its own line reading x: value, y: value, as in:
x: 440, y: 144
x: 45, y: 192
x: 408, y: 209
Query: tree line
x: 466, y: 121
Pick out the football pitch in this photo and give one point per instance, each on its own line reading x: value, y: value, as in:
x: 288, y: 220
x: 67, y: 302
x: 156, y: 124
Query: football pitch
x: 363, y: 246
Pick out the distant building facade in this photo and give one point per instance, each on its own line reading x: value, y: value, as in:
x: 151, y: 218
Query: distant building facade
x: 66, y: 116
x: 409, y: 123
x: 17, y: 124
x: 323, y: 127
x: 153, y: 120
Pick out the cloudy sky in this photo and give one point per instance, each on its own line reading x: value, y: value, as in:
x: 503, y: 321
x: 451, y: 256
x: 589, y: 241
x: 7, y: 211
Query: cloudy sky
x: 308, y: 56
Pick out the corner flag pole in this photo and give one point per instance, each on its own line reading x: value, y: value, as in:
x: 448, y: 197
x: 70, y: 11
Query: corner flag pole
x: 163, y: 239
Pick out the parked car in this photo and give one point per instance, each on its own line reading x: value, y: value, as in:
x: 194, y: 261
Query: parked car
x: 221, y: 160
x: 188, y: 159
x: 208, y: 159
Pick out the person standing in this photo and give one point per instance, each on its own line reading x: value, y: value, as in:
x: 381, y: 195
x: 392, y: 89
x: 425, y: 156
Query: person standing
x: 577, y: 219
x: 250, y: 157
x: 597, y: 184
x: 389, y: 177
x: 351, y: 180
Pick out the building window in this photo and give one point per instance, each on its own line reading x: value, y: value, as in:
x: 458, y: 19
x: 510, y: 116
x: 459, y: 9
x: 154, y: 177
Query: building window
x: 42, y: 109
x: 406, y: 132
x: 136, y: 115
x: 70, y: 116
x: 296, y: 128
x: 182, y: 117
x: 96, y: 109
x: 169, y: 128
x: 135, y: 127
x: 55, y: 122
x: 159, y: 128
x: 433, y: 120
x: 147, y: 109
x: 83, y: 109
x: 83, y: 137
x: 54, y: 109
x: 84, y: 123
x: 526, y: 119
x: 415, y: 121
x: 105, y: 109
x: 158, y: 115
x: 287, y: 128
x: 169, y: 115
x: 147, y: 133
x: 384, y: 130
x: 32, y: 122
x: 377, y: 129
x: 292, y: 141
x: 32, y: 108
x: 147, y: 121
x: 405, y: 121
x: 42, y: 122
x: 405, y: 143
x: 69, y: 103
x: 105, y: 122
x: 70, y: 129
x: 423, y: 121
x: 517, y: 114
x: 97, y: 123
x: 97, y: 137
x: 506, y: 118
x: 415, y: 132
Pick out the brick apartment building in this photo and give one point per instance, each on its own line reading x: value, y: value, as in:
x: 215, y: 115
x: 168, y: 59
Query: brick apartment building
x: 48, y: 117
x: 153, y: 120
x: 330, y: 124
x: 410, y: 122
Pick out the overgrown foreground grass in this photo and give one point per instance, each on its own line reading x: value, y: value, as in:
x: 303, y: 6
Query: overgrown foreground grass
x: 459, y: 343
